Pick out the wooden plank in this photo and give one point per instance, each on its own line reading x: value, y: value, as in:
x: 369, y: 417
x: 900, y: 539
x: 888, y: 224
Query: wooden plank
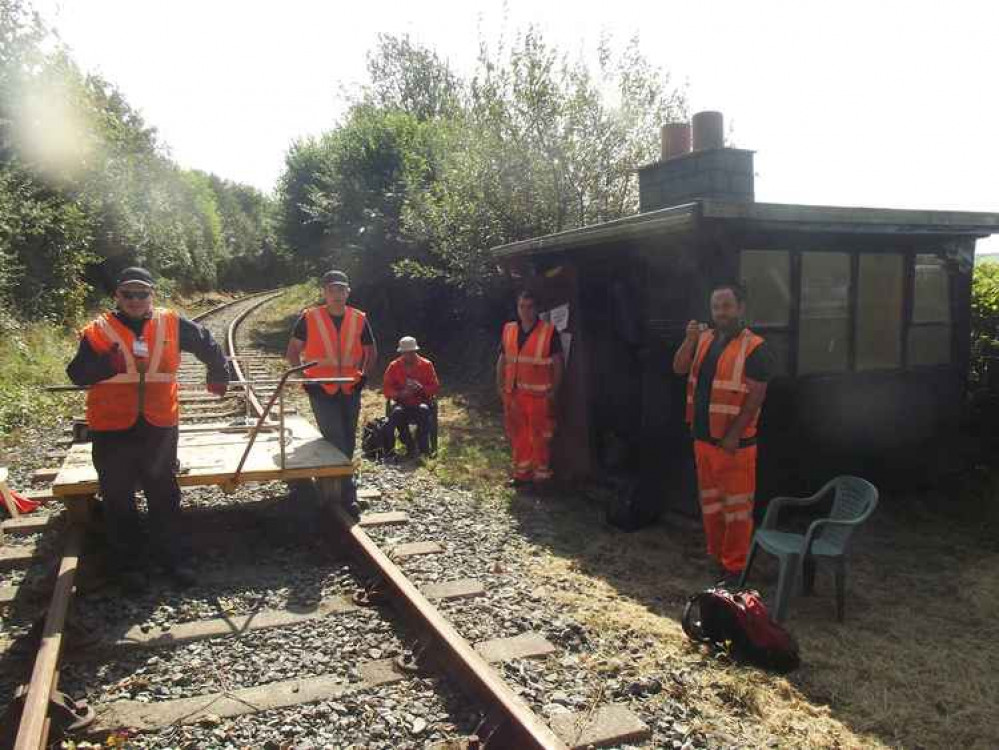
x: 43, y: 675
x: 211, y: 457
x: 392, y: 517
x: 18, y: 555
x: 29, y: 524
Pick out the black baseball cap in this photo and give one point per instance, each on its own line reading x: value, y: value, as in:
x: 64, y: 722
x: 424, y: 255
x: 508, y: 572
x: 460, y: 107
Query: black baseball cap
x: 335, y: 277
x: 134, y: 275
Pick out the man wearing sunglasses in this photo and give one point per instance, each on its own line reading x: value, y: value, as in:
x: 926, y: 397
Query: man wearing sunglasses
x: 129, y: 357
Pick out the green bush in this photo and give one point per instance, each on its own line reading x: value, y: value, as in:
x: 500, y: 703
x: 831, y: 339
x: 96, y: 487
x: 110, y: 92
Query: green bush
x: 984, y: 320
x: 32, y: 356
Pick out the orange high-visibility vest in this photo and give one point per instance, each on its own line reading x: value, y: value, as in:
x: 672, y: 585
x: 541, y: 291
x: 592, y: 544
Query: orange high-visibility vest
x: 531, y: 368
x: 728, y: 389
x: 340, y: 354
x: 149, y: 384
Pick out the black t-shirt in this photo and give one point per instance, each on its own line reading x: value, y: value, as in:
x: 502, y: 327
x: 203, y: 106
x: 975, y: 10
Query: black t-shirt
x: 759, y: 367
x: 301, y: 330
x: 556, y: 347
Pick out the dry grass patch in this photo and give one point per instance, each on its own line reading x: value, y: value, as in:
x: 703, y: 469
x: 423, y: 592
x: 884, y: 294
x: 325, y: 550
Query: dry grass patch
x: 913, y: 666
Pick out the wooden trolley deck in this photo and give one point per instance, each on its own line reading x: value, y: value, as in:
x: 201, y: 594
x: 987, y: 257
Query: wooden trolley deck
x: 210, y: 453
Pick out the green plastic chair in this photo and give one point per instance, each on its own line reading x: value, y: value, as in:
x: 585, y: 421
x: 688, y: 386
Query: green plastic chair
x: 828, y: 538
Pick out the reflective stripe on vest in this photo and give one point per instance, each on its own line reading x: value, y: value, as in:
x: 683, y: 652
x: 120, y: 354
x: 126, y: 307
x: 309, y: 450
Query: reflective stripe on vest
x: 339, y: 353
x: 148, y: 385
x: 529, y: 368
x: 729, y: 388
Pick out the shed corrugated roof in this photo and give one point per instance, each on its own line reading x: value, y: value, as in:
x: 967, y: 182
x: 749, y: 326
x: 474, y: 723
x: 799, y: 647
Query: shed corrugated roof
x: 774, y: 216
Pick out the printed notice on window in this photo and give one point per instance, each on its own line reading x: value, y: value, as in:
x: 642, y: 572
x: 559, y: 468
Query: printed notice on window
x: 559, y: 317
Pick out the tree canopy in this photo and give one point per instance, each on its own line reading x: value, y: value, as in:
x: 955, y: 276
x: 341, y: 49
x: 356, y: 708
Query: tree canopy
x: 86, y: 188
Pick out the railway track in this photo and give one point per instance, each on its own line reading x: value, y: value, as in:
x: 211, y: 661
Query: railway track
x: 278, y: 622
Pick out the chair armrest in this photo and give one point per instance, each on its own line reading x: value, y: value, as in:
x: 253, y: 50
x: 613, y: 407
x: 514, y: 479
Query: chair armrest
x: 775, y: 505
x: 816, y: 526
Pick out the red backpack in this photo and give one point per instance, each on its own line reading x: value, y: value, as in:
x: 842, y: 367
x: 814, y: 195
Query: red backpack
x: 739, y: 623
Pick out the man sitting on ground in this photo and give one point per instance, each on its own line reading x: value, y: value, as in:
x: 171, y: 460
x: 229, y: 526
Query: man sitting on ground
x: 411, y: 382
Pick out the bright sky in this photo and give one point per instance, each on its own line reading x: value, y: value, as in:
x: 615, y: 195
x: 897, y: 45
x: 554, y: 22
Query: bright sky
x: 872, y: 103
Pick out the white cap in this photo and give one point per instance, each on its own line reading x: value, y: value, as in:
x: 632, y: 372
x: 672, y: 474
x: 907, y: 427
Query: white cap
x: 408, y: 344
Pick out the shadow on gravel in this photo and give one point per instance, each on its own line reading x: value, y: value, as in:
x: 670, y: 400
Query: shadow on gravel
x: 914, y: 662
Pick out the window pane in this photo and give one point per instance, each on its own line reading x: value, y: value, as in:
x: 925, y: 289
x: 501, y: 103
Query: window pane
x: 929, y: 345
x: 879, y: 312
x: 766, y: 275
x: 823, y: 336
x: 931, y: 297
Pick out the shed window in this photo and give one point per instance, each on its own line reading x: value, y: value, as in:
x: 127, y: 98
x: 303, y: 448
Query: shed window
x: 930, y: 331
x: 824, y: 328
x: 766, y: 274
x: 879, y: 311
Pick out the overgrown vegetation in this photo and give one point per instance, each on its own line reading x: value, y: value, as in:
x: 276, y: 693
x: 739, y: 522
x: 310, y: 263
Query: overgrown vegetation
x: 429, y: 169
x: 87, y: 187
x: 984, y: 319
x: 31, y: 356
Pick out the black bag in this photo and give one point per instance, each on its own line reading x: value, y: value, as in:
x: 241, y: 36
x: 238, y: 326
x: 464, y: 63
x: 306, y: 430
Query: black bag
x: 377, y: 440
x: 738, y: 622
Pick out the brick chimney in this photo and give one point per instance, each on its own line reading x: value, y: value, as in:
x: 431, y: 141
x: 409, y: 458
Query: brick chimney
x: 710, y: 170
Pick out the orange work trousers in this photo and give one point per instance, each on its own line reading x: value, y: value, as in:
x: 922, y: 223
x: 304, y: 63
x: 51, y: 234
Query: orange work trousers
x: 529, y: 425
x: 727, y: 484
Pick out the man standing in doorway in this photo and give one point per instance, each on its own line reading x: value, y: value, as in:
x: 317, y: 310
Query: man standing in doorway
x: 339, y: 338
x: 129, y: 357
x: 528, y: 374
x: 728, y: 369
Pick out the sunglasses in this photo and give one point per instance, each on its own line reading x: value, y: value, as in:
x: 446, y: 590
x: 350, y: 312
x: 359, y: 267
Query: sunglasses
x: 134, y: 295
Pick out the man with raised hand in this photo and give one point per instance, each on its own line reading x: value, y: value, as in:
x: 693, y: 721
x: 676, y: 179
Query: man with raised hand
x: 339, y: 338
x: 129, y: 357
x: 727, y: 371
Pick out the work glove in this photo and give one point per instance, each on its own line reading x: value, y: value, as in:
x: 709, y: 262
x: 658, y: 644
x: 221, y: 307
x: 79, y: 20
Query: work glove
x: 116, y: 358
x: 217, y: 389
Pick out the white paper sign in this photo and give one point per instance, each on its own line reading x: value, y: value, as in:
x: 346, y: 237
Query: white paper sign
x: 559, y: 317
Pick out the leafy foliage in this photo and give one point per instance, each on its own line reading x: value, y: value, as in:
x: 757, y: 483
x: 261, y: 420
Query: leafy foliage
x: 984, y: 317
x: 429, y: 170
x: 86, y: 188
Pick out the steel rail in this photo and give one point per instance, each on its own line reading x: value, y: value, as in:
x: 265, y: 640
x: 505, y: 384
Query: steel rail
x: 509, y: 722
x: 33, y: 728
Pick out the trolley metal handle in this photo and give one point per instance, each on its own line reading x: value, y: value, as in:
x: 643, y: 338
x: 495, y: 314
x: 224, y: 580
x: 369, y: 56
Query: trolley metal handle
x: 232, y: 483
